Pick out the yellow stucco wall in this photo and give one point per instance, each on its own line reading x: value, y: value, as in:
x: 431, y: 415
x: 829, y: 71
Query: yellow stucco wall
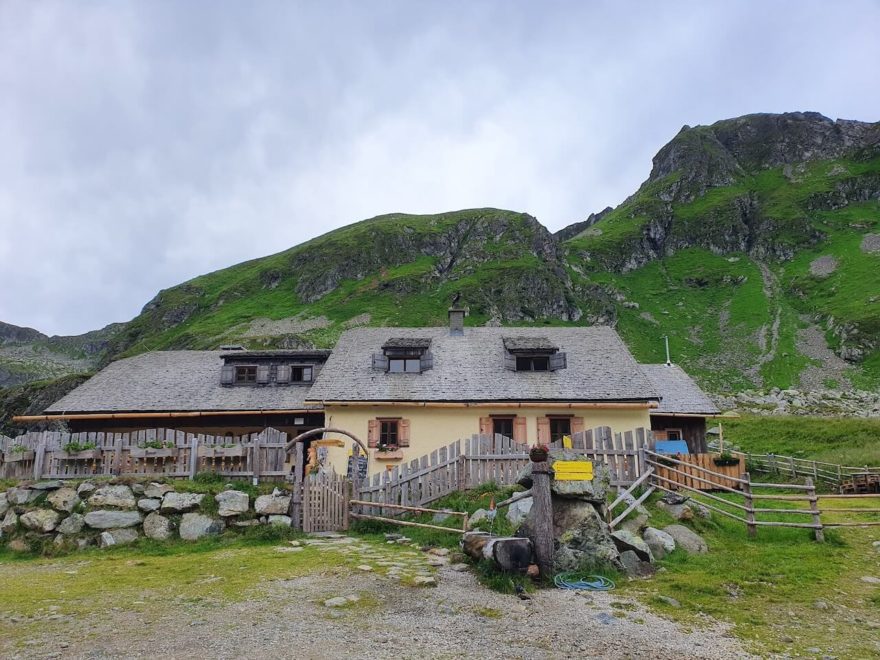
x: 432, y: 428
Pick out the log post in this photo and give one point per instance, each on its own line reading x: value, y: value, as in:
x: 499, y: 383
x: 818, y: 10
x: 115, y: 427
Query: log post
x: 750, y: 503
x: 814, y: 507
x: 296, y: 497
x: 542, y: 509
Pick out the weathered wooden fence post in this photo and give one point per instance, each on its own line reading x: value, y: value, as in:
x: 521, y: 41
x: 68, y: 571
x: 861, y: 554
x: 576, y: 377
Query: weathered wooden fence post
x: 543, y: 507
x: 750, y: 504
x: 814, y: 507
x: 193, y: 456
x: 40, y: 456
x: 296, y: 510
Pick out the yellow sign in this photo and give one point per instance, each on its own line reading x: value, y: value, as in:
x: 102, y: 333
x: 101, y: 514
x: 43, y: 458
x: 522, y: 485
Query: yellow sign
x: 573, y: 470
x: 566, y: 442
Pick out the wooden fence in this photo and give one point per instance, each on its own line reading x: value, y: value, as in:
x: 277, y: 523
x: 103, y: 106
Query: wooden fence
x: 325, y: 503
x: 152, y: 452
x: 480, y: 459
x: 746, y: 498
x: 831, y: 473
x: 691, y: 466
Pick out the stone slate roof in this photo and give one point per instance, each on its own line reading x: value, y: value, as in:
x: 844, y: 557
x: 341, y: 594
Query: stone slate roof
x: 680, y: 394
x: 173, y: 381
x: 471, y: 368
x: 408, y: 342
x: 525, y: 344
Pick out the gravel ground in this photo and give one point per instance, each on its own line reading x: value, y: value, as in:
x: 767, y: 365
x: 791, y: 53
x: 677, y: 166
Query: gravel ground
x: 457, y: 618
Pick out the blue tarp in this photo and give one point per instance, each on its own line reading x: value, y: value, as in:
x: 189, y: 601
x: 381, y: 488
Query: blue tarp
x: 671, y: 447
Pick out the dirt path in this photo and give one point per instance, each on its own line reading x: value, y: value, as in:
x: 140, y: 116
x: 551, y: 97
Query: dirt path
x: 457, y: 618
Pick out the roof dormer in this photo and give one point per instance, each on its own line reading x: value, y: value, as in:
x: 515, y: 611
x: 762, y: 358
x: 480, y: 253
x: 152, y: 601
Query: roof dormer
x: 404, y: 355
x: 532, y: 354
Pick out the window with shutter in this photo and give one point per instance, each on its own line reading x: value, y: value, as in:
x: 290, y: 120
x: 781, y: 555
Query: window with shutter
x: 246, y: 374
x: 558, y: 361
x: 509, y: 362
x: 559, y: 428
x: 427, y: 361
x: 283, y: 373
x: 380, y: 362
x: 373, y: 433
x: 544, y: 430
x: 403, y: 433
x: 263, y: 374
x: 227, y: 375
x: 519, y: 429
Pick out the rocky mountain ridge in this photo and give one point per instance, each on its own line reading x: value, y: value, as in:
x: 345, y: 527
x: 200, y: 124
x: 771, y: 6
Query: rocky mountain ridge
x: 753, y: 245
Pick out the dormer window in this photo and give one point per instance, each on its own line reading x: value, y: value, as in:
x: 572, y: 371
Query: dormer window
x: 532, y: 354
x: 404, y: 355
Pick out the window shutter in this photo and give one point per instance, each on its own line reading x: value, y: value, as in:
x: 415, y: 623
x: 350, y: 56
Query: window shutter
x: 544, y: 430
x: 283, y: 374
x: 380, y: 362
x: 485, y: 426
x: 263, y: 374
x: 403, y: 433
x: 510, y: 362
x: 373, y: 433
x: 577, y: 425
x: 519, y: 429
x: 427, y: 361
x: 227, y: 375
x: 558, y: 361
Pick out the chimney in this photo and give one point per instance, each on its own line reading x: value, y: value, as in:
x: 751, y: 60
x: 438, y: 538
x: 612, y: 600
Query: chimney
x: 456, y: 321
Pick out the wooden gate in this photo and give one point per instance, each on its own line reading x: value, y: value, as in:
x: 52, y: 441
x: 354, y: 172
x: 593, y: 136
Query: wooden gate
x: 325, y: 502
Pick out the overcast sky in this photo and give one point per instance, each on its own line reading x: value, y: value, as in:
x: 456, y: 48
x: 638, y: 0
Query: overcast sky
x: 145, y: 143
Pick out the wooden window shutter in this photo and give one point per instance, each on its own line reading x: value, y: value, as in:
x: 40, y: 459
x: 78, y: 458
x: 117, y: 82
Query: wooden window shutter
x: 283, y: 374
x: 427, y: 361
x: 403, y: 433
x: 558, y: 361
x: 227, y: 375
x: 544, y: 430
x: 519, y: 429
x: 510, y: 362
x: 263, y: 374
x: 485, y: 426
x: 373, y: 433
x: 380, y: 362
x: 577, y: 424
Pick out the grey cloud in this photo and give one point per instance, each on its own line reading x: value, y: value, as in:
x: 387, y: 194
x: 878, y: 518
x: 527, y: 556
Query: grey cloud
x: 145, y: 143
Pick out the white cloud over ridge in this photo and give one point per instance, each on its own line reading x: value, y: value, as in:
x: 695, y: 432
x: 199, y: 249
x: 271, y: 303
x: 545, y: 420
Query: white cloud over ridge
x: 145, y: 143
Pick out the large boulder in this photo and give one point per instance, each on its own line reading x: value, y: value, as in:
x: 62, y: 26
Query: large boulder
x: 117, y: 537
x: 274, y: 504
x: 112, y: 519
x: 149, y: 504
x: 40, y: 520
x: 519, y: 510
x: 233, y: 503
x: 626, y: 540
x: 689, y: 541
x: 194, y: 526
x: 4, y: 504
x: 157, y: 491
x: 678, y: 510
x: 116, y: 496
x: 21, y: 495
x: 158, y: 527
x: 583, y: 537
x: 635, y: 524
x: 10, y: 522
x: 633, y: 566
x: 63, y: 499
x: 73, y: 524
x: 85, y: 489
x: 181, y: 501
x: 660, y: 542
x: 593, y: 491
x: 55, y: 484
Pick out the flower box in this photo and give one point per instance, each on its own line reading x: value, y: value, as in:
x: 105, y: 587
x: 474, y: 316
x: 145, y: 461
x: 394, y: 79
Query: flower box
x: 151, y: 452
x: 84, y: 455
x: 208, y: 451
x: 18, y: 456
x: 725, y: 461
x: 389, y: 455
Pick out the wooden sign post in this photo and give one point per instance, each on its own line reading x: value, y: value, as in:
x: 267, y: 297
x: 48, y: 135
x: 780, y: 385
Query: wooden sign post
x: 543, y: 509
